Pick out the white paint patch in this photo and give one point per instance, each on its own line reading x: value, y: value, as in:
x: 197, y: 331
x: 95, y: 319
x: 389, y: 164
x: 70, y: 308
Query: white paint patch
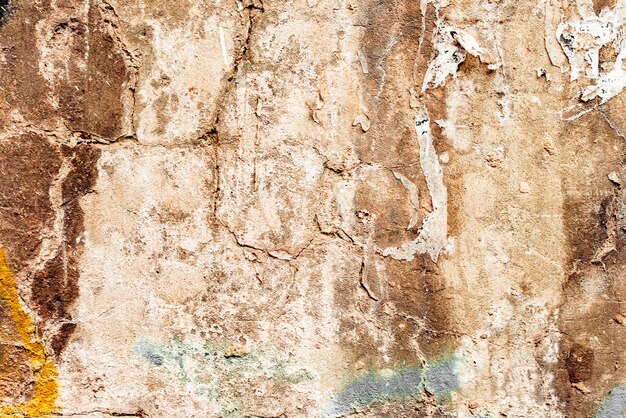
x: 470, y: 44
x: 281, y: 255
x: 609, y: 85
x: 225, y: 55
x: 433, y: 236
x: 447, y: 59
x: 363, y: 120
x: 582, y: 41
x: 452, y: 45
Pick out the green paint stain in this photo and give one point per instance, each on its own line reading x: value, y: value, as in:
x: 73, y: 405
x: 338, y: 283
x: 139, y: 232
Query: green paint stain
x: 209, y: 369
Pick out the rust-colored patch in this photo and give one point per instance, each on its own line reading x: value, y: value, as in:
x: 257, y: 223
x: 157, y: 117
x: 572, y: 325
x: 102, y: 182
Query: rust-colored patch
x: 24, y: 89
x: 91, y: 96
x: 421, y: 309
x: 598, y: 5
x: 85, y: 71
x: 386, y: 201
x: 579, y: 363
x: 391, y: 47
x: 78, y: 182
x: 405, y: 298
x: 28, y: 166
x: 51, y: 293
x: 55, y: 287
x: 407, y: 301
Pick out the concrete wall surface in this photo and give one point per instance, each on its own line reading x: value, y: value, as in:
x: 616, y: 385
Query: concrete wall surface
x: 313, y: 208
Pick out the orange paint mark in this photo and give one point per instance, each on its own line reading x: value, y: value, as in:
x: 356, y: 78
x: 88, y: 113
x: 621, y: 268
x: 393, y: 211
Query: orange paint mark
x: 46, y: 384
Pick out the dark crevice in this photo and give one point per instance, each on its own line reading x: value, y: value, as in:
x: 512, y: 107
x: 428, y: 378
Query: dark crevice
x: 4, y: 10
x: 251, y: 9
x: 249, y: 12
x: 364, y: 284
x: 132, y: 59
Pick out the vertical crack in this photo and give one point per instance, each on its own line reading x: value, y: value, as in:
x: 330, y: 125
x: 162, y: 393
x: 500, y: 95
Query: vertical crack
x: 132, y: 59
x: 249, y: 10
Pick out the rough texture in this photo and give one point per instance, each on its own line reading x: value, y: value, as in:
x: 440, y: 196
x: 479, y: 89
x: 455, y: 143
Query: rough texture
x: 312, y: 208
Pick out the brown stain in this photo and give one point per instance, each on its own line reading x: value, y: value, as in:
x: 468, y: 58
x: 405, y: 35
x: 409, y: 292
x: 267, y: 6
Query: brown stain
x: 579, y: 363
x: 55, y: 287
x: 392, y: 140
x: 90, y: 98
x: 598, y: 5
x: 413, y: 306
x: 590, y: 349
x: 28, y: 166
x: 417, y: 292
x: 89, y: 92
x: 51, y: 293
x: 381, y: 195
x: 389, y: 43
x: 24, y: 88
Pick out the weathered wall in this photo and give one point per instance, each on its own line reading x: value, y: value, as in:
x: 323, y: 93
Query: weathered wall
x: 312, y: 208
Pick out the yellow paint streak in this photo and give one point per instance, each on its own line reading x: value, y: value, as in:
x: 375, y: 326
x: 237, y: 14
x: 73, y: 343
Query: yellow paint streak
x: 46, y: 385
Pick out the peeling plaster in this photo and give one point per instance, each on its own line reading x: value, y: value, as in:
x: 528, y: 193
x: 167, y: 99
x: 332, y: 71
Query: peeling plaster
x: 433, y: 234
x: 451, y: 45
x: 582, y: 41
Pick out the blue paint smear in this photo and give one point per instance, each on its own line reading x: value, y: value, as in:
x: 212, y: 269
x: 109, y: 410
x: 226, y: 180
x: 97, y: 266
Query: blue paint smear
x: 150, y: 351
x: 442, y: 378
x: 439, y: 379
x: 373, y: 387
x: 614, y: 405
